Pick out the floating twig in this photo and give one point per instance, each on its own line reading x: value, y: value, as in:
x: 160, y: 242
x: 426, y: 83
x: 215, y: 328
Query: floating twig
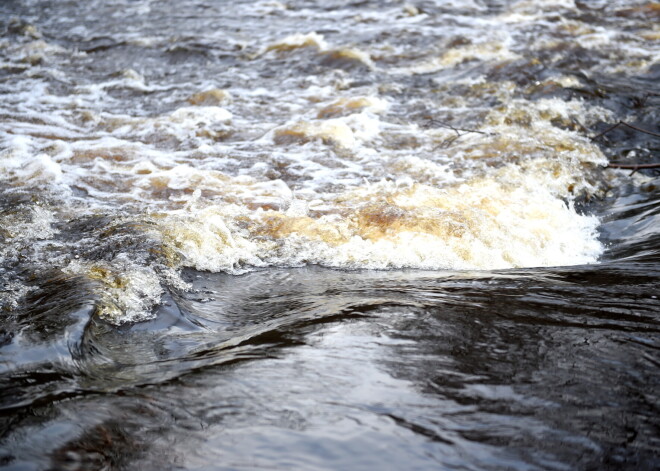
x: 430, y: 121
x: 623, y: 123
x: 441, y: 124
x: 633, y: 167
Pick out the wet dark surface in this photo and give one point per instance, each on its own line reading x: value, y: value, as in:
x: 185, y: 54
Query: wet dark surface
x: 314, y: 368
x: 310, y: 368
x: 319, y: 369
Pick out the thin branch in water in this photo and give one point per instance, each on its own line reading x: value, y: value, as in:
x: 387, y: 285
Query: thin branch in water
x: 623, y: 123
x: 633, y: 167
x: 460, y: 132
x: 441, y: 124
x: 447, y: 142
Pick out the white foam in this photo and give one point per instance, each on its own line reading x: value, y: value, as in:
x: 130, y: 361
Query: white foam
x: 511, y: 220
x: 129, y: 291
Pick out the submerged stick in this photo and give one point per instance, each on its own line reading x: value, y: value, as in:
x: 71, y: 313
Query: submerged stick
x: 632, y: 166
x: 623, y: 123
x: 459, y: 131
x: 441, y: 124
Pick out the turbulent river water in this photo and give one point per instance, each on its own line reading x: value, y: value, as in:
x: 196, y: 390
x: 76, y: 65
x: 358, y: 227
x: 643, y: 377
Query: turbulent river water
x: 329, y: 235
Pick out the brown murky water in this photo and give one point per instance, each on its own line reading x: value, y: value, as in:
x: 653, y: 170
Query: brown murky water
x: 329, y: 235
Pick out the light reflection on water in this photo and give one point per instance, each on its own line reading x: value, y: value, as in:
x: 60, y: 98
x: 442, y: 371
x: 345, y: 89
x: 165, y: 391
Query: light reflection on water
x: 542, y: 369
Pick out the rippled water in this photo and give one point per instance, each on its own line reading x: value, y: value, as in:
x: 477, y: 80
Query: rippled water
x: 329, y: 235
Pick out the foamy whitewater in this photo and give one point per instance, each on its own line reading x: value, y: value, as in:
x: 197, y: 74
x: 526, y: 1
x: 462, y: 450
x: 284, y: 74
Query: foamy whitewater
x: 327, y: 235
x: 229, y: 172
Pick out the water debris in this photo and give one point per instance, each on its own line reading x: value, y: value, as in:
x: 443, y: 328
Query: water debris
x: 633, y: 167
x: 629, y: 166
x: 460, y: 132
x: 628, y: 125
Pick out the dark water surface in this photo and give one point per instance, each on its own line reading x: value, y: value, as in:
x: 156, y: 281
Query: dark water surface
x: 210, y: 258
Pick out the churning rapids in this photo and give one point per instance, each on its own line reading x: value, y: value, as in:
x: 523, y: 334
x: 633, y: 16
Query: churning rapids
x: 323, y: 235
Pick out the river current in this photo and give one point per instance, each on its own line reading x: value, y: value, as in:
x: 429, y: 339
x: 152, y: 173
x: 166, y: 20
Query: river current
x: 329, y: 235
